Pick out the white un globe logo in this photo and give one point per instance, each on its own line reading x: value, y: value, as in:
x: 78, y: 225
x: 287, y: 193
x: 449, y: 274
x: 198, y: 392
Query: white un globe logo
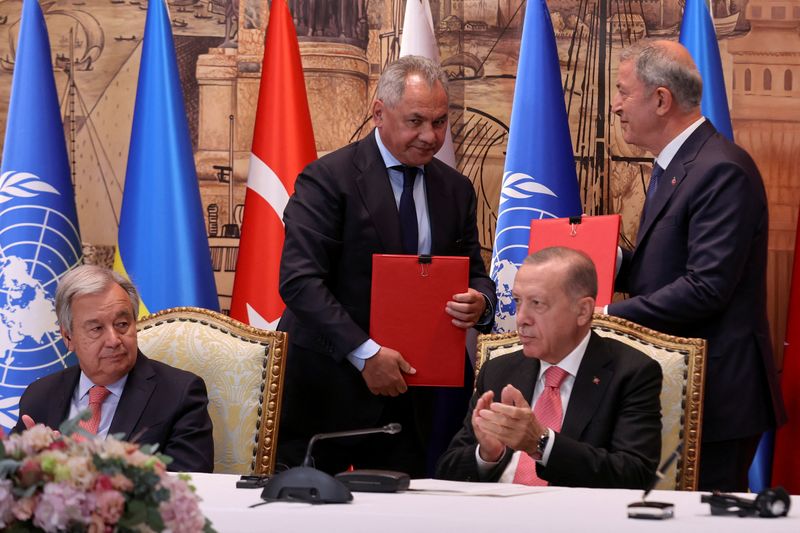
x: 37, y: 246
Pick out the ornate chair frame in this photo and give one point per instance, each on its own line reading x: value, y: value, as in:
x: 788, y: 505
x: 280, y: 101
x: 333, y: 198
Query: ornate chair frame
x: 271, y: 390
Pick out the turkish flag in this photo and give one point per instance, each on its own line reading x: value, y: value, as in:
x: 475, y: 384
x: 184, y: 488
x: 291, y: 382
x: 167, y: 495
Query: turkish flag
x: 786, y: 459
x: 283, y: 144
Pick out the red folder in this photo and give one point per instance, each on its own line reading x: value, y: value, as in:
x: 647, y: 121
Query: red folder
x: 407, y: 314
x: 596, y: 236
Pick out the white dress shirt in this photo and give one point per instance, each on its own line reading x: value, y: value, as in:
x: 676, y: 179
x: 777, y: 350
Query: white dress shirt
x: 80, y: 401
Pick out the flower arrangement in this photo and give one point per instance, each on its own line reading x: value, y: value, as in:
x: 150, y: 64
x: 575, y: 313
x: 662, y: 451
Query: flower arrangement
x: 70, y: 481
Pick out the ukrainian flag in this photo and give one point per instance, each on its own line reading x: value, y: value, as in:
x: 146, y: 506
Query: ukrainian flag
x: 162, y: 244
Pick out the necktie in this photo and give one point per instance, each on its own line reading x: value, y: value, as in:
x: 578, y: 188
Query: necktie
x: 409, y: 232
x: 97, y: 395
x: 651, y: 189
x: 549, y: 413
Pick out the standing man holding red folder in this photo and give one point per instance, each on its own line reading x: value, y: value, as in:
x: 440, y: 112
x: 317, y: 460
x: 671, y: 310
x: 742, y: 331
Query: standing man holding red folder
x: 383, y: 194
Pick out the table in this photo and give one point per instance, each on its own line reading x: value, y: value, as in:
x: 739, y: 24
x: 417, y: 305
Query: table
x: 550, y: 510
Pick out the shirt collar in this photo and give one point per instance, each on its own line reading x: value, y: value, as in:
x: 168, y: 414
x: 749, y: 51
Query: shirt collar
x: 668, y: 153
x: 572, y: 361
x: 388, y: 158
x: 84, y: 384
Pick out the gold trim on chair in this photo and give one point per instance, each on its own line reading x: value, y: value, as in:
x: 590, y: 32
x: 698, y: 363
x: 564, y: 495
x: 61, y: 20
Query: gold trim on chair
x: 271, y: 389
x: 642, y: 338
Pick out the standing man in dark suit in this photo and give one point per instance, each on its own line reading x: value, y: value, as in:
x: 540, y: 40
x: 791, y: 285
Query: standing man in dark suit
x: 699, y: 266
x: 146, y: 401
x: 383, y: 194
x: 596, y: 416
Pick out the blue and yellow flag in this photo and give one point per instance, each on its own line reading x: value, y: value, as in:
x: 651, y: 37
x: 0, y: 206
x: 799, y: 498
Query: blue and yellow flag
x: 700, y: 38
x: 39, y: 238
x: 162, y: 245
x: 539, y: 180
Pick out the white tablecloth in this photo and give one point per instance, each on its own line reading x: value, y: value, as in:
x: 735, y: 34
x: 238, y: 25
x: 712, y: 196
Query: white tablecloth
x: 551, y: 509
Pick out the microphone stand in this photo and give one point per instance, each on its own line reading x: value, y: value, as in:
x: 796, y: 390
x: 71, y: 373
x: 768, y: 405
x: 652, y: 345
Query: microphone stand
x: 307, y: 484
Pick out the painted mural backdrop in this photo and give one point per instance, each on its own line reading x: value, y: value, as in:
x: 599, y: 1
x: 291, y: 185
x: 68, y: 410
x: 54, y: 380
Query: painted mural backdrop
x: 96, y: 45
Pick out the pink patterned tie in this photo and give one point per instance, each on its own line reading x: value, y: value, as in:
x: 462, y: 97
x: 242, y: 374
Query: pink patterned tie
x: 549, y: 413
x: 97, y: 395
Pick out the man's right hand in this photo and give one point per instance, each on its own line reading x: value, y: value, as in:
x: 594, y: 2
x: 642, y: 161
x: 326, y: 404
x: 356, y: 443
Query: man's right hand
x: 490, y: 449
x: 384, y: 371
x: 28, y: 422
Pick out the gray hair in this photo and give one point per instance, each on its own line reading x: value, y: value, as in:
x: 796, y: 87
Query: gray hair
x: 392, y: 82
x: 581, y: 275
x: 88, y: 280
x: 657, y: 66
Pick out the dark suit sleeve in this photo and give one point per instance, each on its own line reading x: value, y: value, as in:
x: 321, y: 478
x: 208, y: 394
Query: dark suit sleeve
x: 631, y: 457
x: 190, y: 442
x: 29, y: 405
x: 723, y: 216
x: 478, y: 279
x: 312, y: 248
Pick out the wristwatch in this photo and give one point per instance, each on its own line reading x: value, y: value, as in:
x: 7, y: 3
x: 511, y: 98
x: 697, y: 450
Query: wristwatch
x: 542, y: 443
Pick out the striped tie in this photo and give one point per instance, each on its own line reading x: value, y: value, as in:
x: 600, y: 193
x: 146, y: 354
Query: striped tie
x: 549, y: 413
x: 97, y: 395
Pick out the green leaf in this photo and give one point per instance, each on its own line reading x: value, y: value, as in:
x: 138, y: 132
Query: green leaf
x: 70, y: 426
x: 8, y: 467
x: 154, y: 519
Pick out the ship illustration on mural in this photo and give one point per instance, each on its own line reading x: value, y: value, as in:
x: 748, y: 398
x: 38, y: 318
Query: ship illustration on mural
x: 88, y: 41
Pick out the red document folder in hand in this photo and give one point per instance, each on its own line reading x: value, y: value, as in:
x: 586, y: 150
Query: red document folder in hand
x: 595, y: 236
x: 407, y: 314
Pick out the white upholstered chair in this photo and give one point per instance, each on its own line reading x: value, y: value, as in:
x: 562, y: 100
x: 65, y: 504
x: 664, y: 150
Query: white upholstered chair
x: 682, y: 362
x: 243, y: 370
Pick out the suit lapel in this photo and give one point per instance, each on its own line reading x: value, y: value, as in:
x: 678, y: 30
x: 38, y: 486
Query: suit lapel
x: 525, y: 379
x: 376, y: 193
x: 674, y: 174
x: 138, y: 389
x: 591, y: 384
x: 61, y: 398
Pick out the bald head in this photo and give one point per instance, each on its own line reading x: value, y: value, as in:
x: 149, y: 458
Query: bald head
x: 667, y: 64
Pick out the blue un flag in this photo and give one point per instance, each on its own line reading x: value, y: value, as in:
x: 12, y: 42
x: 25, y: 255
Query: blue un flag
x: 539, y: 180
x: 39, y: 239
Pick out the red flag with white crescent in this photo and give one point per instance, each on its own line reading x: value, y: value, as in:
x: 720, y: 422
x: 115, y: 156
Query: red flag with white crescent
x: 283, y: 144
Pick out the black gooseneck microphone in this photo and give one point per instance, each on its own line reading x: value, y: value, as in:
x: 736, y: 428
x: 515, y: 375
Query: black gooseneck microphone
x: 390, y: 429
x: 309, y: 485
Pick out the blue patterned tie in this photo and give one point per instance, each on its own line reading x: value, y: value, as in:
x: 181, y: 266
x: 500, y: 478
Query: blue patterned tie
x: 409, y: 232
x: 651, y: 189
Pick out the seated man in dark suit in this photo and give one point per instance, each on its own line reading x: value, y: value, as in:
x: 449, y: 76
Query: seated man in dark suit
x: 596, y: 419
x: 144, y: 400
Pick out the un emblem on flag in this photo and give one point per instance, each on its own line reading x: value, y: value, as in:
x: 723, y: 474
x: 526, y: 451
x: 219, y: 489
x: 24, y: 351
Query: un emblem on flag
x: 519, y: 204
x: 38, y: 244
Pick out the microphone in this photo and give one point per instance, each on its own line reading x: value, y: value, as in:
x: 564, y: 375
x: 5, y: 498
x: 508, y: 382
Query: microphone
x: 309, y: 485
x: 391, y: 429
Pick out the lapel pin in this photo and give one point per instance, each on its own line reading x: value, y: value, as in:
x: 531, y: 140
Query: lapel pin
x: 596, y: 380
x: 674, y: 181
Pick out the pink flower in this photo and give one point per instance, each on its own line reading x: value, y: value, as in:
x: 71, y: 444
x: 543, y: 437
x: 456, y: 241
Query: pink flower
x: 109, y: 506
x: 6, y: 503
x: 36, y: 439
x: 181, y: 512
x: 30, y: 472
x: 24, y: 507
x: 61, y: 505
x: 121, y: 483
